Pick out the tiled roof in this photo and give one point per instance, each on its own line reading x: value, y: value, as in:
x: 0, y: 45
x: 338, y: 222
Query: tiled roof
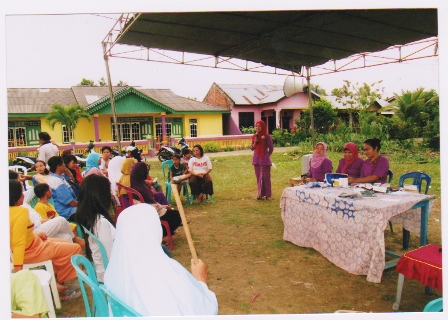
x: 24, y: 100
x: 253, y: 94
x: 178, y: 103
x: 34, y: 100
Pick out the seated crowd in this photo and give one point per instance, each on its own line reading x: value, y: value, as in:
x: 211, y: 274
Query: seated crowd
x: 374, y: 169
x: 48, y: 231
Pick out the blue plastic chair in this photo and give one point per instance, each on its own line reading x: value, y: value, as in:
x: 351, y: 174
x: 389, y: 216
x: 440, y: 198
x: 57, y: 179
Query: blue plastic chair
x: 166, y: 179
x: 434, y: 306
x: 98, y: 308
x: 418, y: 179
x: 118, y: 307
x: 100, y: 245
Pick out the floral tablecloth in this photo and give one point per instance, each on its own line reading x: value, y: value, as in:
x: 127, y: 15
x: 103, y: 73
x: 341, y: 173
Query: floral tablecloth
x: 348, y: 232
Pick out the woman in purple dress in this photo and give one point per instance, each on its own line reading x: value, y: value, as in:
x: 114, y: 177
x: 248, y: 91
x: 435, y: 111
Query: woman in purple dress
x: 376, y: 167
x: 351, y: 163
x: 320, y: 164
x: 263, y: 146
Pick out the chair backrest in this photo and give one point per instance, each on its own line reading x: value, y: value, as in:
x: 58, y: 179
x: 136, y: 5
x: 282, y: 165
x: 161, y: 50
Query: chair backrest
x: 418, y: 178
x: 102, y: 248
x: 23, y: 170
x: 131, y: 193
x: 390, y: 174
x: 434, y: 306
x: 166, y: 174
x: 99, y: 306
x: 118, y: 307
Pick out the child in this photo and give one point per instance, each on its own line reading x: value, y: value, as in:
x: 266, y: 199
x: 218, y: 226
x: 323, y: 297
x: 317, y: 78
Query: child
x: 186, y: 155
x: 47, y: 211
x: 27, y: 247
x: 178, y: 172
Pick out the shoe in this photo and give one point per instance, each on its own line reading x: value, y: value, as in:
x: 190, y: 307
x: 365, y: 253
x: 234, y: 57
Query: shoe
x: 260, y: 198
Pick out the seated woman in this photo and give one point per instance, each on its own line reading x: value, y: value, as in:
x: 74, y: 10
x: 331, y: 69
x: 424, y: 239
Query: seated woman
x: 125, y: 178
x: 94, y: 203
x: 114, y: 174
x: 320, y: 164
x: 42, y: 172
x: 351, y: 163
x: 92, y: 165
x: 27, y: 247
x: 145, y: 279
x: 200, y: 180
x: 72, y: 167
x: 106, y: 153
x: 376, y: 167
x: 139, y: 172
x: 70, y: 173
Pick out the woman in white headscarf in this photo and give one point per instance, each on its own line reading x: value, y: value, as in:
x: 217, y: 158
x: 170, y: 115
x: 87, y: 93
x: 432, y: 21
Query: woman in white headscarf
x: 146, y: 279
x: 114, y: 174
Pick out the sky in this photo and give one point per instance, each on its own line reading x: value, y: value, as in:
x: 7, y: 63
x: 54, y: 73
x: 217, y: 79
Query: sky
x: 42, y: 51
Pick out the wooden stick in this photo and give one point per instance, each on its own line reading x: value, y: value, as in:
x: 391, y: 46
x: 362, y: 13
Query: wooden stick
x: 184, y: 222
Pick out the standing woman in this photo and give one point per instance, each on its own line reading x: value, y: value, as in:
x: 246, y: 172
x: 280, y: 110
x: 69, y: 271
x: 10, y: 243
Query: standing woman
x: 351, y: 163
x: 200, y: 180
x: 93, y: 213
x: 376, y: 167
x: 263, y: 146
x: 320, y: 164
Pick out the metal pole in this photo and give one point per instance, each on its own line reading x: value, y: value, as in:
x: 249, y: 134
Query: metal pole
x: 310, y: 104
x: 112, y: 101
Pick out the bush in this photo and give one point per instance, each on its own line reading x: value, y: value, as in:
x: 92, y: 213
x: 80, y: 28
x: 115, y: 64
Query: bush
x: 210, y: 147
x: 250, y: 130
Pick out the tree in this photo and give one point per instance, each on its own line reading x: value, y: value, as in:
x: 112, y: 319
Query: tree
x: 122, y: 83
x: 87, y: 82
x: 324, y: 116
x: 66, y: 115
x: 358, y: 97
x: 318, y: 89
x: 102, y: 82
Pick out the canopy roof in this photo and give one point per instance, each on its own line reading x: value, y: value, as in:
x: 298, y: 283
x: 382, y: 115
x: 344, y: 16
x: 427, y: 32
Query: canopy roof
x: 286, y: 40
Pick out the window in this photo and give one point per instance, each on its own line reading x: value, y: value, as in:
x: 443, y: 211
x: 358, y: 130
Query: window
x: 193, y: 127
x: 65, y: 138
x: 246, y: 119
x: 131, y: 128
x: 168, y: 128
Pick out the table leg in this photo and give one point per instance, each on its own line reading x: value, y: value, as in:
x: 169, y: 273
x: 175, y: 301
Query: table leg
x: 396, y: 305
x: 424, y: 224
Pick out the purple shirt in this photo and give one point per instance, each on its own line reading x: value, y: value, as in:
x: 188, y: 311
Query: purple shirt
x: 378, y: 168
x: 319, y: 172
x: 354, y: 170
x: 268, y: 149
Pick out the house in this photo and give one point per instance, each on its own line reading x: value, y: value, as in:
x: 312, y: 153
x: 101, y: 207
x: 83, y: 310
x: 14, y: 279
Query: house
x: 249, y: 103
x: 140, y: 113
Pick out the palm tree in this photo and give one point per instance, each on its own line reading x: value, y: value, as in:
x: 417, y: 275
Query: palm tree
x: 66, y: 115
x: 409, y: 103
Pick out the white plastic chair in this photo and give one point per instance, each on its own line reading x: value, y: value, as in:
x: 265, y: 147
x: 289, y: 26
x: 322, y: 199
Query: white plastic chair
x: 23, y: 170
x: 45, y: 279
x: 48, y: 265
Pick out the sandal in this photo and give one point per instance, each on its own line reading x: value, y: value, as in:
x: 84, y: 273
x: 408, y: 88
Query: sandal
x: 73, y: 295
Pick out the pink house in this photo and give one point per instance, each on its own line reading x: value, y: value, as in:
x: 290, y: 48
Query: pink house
x: 250, y: 103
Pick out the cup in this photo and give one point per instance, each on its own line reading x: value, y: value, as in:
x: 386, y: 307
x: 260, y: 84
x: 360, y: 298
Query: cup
x: 343, y: 182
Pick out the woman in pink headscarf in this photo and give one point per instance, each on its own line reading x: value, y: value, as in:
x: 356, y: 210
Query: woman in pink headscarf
x: 351, y: 163
x: 263, y: 146
x: 320, y: 164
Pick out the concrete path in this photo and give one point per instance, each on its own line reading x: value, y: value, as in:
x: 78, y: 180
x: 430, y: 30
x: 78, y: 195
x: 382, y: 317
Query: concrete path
x: 232, y: 153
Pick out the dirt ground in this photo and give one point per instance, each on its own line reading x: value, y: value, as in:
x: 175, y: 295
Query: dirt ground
x: 283, y: 279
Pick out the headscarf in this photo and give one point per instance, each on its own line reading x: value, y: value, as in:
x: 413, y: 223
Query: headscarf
x: 261, y: 138
x: 139, y: 173
x: 114, y: 172
x: 145, y: 278
x: 92, y: 162
x: 125, y: 178
x: 317, y: 160
x: 354, y: 149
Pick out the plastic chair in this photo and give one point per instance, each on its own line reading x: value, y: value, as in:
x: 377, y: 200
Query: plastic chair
x: 99, y: 306
x: 166, y: 179
x: 24, y: 171
x: 102, y: 248
x: 418, y: 178
x: 48, y: 266
x: 434, y: 306
x: 118, y: 307
x: 45, y: 280
x: 131, y: 192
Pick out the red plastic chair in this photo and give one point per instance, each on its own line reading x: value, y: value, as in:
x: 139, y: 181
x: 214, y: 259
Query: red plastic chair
x: 130, y: 202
